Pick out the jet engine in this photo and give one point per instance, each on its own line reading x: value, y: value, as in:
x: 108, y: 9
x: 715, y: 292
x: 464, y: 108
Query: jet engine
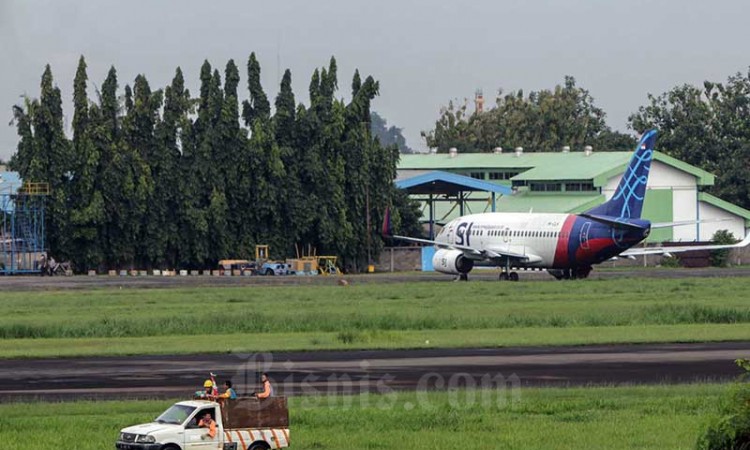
x: 452, y: 261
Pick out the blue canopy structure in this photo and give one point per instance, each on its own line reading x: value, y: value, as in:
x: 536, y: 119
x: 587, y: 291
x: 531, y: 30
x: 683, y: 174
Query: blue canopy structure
x: 446, y: 186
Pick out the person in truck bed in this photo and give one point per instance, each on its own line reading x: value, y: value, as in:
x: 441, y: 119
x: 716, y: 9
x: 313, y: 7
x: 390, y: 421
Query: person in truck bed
x: 229, y: 393
x: 208, y: 393
x: 267, y: 388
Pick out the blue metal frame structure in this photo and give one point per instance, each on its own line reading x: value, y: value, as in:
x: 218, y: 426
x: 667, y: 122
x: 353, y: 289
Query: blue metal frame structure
x: 22, y: 230
x: 446, y: 186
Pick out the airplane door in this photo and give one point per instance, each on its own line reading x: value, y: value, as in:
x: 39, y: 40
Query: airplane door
x: 451, y: 233
x: 584, y: 237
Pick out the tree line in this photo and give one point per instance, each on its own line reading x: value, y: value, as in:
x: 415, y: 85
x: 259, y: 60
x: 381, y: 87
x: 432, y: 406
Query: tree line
x: 162, y: 179
x: 708, y: 127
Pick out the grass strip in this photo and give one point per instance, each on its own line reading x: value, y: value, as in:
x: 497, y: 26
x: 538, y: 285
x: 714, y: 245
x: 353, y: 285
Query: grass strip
x: 644, y: 417
x: 357, y: 340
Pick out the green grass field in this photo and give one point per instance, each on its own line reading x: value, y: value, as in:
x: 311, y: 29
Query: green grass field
x: 400, y: 315
x: 655, y: 417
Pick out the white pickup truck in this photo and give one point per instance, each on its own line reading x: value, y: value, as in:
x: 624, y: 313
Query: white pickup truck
x: 242, y: 424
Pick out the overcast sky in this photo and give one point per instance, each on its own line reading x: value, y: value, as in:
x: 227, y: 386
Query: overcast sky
x: 423, y: 52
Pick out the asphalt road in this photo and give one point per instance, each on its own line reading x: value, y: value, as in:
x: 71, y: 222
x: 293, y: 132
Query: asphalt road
x: 371, y: 371
x: 27, y: 283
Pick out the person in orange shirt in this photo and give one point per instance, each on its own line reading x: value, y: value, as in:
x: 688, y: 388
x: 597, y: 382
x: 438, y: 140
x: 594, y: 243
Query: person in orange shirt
x: 208, y: 422
x: 267, y: 388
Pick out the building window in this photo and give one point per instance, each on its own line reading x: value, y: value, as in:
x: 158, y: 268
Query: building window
x: 545, y: 187
x: 503, y: 175
x: 579, y: 187
x: 477, y: 175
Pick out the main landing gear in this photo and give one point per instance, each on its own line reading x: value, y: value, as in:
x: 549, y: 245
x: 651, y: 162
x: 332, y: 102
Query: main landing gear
x: 575, y: 273
x: 505, y: 276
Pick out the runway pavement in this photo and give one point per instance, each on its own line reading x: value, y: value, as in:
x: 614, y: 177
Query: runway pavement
x: 372, y: 371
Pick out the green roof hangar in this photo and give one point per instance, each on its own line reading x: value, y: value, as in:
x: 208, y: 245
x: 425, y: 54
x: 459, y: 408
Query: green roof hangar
x: 572, y: 182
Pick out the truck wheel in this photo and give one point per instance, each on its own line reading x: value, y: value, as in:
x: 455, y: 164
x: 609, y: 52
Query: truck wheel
x: 170, y: 447
x: 259, y: 446
x: 269, y: 272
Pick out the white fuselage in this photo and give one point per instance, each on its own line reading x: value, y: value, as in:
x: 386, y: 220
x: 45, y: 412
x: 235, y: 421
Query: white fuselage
x: 535, y: 235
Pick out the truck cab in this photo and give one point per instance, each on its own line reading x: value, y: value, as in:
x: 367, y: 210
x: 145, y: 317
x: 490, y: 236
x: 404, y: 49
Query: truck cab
x: 242, y: 424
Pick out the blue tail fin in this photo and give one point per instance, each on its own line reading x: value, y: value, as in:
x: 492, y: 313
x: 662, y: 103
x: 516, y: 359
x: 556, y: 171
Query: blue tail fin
x: 627, y: 202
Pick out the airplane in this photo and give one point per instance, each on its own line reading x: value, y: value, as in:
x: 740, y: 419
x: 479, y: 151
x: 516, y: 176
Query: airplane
x: 566, y: 245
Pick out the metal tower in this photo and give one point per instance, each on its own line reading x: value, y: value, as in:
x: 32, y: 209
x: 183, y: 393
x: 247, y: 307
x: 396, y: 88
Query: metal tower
x: 22, y: 243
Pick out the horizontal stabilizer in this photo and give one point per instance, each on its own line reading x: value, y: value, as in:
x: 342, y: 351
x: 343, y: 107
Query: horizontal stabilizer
x: 614, y: 222
x: 684, y: 222
x: 693, y: 248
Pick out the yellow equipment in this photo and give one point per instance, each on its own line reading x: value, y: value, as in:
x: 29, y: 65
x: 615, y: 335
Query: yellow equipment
x: 261, y: 253
x: 327, y: 265
x: 208, y: 384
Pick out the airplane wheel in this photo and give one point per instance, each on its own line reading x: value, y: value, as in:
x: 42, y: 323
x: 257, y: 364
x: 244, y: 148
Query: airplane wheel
x: 503, y: 276
x: 464, y: 277
x: 513, y: 276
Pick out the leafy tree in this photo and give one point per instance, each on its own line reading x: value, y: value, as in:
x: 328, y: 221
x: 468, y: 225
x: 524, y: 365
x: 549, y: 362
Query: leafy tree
x: 44, y: 156
x: 295, y: 210
x: 229, y: 147
x: 167, y: 210
x: 543, y: 121
x: 158, y: 179
x: 106, y: 137
x: 257, y: 106
x: 87, y: 213
x: 138, y: 150
x: 709, y: 128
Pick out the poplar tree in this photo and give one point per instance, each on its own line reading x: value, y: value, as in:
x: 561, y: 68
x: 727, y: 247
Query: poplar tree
x: 257, y: 107
x: 51, y: 163
x: 295, y: 212
x: 169, y: 184
x: 86, y: 202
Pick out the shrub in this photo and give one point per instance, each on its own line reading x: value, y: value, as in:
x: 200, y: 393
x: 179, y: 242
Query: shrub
x: 731, y: 430
x: 670, y: 261
x: 720, y: 258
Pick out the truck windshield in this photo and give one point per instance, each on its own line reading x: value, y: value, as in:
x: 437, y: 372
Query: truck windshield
x: 176, y: 414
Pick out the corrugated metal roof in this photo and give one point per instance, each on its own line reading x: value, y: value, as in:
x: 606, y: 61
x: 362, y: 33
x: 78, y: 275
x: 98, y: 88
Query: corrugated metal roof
x: 525, y: 201
x: 545, y: 166
x: 439, y: 182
